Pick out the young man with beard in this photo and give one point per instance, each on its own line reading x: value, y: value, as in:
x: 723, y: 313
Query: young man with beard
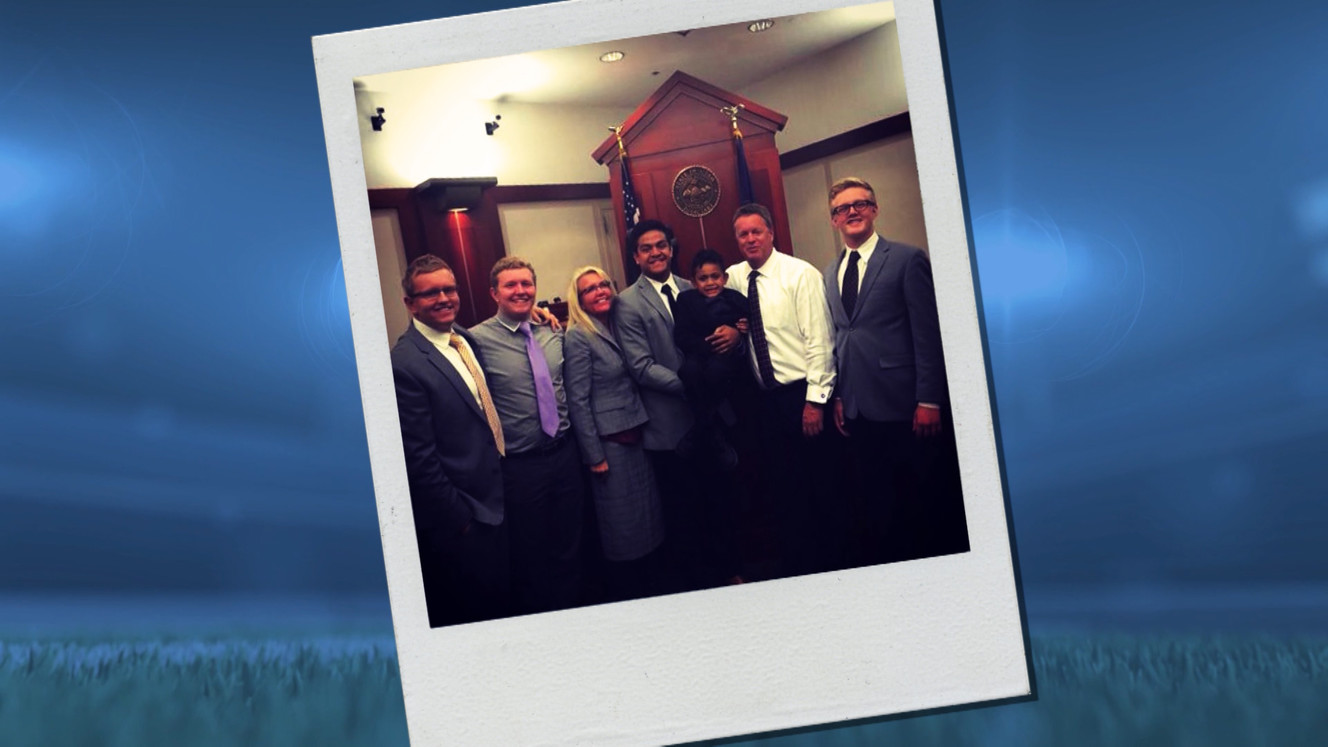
x: 699, y: 538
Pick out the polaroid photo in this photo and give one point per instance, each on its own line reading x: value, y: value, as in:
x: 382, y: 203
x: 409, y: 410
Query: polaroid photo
x: 672, y: 367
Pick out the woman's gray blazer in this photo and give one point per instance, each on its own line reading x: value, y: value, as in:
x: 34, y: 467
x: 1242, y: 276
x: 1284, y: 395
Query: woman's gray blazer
x: 602, y: 400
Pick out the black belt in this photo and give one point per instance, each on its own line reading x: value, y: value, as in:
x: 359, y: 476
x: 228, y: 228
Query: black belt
x: 544, y: 448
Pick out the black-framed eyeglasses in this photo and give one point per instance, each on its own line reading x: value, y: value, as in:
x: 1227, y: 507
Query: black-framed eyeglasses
x: 601, y: 285
x: 432, y: 293
x: 859, y: 206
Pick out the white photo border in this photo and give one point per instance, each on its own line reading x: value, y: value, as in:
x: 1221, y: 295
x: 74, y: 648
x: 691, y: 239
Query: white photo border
x: 776, y: 655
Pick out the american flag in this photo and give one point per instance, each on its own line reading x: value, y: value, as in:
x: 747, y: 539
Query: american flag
x: 631, y: 207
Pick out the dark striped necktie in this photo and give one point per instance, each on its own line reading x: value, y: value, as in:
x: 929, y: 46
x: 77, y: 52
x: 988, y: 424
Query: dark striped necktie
x: 759, y: 344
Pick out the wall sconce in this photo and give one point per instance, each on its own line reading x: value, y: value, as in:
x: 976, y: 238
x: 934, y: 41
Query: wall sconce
x: 377, y: 120
x: 491, y: 127
x: 454, y: 194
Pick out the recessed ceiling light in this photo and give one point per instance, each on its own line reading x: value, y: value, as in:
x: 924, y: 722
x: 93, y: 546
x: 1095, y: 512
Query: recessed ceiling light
x: 757, y: 27
x: 613, y: 56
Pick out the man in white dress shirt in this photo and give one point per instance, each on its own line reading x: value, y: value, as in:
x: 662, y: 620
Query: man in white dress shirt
x: 792, y: 356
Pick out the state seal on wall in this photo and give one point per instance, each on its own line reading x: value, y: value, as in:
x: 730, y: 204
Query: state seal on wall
x: 696, y: 191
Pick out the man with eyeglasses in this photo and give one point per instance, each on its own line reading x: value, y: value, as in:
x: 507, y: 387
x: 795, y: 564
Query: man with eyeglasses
x: 453, y: 444
x: 891, y: 392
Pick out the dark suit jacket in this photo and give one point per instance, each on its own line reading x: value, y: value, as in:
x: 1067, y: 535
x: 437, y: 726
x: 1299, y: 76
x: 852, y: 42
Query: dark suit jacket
x: 452, y: 462
x: 888, y: 355
x: 645, y: 332
x: 698, y: 317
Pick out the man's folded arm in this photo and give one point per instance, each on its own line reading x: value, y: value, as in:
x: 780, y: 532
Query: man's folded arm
x: 646, y: 371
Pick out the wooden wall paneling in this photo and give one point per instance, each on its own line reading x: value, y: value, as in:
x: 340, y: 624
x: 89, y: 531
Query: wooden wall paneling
x: 408, y: 218
x: 472, y: 241
x: 489, y: 248
x: 468, y: 268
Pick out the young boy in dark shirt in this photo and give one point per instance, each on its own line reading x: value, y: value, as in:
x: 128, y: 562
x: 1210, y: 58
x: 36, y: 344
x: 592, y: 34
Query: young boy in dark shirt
x: 709, y: 377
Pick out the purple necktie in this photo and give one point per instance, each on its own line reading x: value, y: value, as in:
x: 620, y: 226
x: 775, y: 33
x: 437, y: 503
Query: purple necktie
x: 548, y: 403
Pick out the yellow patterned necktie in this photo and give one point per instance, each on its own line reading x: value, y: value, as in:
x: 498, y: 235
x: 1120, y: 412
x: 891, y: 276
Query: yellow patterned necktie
x: 486, y: 403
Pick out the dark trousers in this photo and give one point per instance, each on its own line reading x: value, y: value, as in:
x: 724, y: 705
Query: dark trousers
x: 636, y: 579
x: 801, y: 483
x: 467, y: 577
x: 545, y: 497
x: 909, y: 501
x: 700, y: 542
x: 710, y: 379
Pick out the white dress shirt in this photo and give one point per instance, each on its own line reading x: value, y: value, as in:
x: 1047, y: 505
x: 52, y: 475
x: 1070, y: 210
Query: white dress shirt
x: 864, y: 252
x: 796, y: 319
x: 443, y: 341
x: 659, y: 288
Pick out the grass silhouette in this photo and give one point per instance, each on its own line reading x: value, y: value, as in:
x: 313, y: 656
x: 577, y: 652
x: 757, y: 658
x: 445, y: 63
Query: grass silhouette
x: 346, y: 690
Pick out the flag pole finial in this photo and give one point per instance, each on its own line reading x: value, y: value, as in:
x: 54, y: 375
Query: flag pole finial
x: 732, y: 112
x: 617, y: 133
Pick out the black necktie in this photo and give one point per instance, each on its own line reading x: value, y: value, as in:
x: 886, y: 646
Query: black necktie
x: 759, y: 343
x: 850, y: 292
x: 668, y: 297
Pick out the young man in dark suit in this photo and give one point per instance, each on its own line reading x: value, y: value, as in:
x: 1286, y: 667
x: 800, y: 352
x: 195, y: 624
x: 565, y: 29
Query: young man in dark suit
x: 891, y: 395
x: 453, y: 445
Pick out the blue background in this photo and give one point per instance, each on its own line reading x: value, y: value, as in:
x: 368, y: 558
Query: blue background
x: 180, y: 424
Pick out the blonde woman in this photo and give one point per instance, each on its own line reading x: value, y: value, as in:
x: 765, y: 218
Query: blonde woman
x: 606, y: 415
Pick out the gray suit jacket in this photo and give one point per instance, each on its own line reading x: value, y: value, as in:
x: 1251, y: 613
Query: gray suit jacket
x: 452, y: 462
x: 601, y: 398
x: 645, y: 333
x: 888, y: 355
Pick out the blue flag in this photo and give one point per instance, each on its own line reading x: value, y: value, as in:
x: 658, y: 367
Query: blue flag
x: 744, y: 176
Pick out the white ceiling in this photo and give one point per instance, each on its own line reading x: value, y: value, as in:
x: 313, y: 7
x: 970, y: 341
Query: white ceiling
x: 727, y: 56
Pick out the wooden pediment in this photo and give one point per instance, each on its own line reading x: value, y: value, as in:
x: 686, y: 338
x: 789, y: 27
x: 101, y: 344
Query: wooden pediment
x: 685, y: 112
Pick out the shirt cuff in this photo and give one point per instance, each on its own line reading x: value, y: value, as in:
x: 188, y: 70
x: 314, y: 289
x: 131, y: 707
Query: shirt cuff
x: 929, y: 406
x: 819, y: 394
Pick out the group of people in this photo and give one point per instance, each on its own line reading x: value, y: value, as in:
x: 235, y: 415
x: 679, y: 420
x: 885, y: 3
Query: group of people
x: 511, y: 427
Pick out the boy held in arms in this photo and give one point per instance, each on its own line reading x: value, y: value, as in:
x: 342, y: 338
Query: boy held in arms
x: 709, y: 377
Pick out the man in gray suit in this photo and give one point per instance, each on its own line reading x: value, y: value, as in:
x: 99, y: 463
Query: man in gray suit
x: 643, y: 322
x: 699, y: 538
x: 891, y: 395
x: 453, y: 443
